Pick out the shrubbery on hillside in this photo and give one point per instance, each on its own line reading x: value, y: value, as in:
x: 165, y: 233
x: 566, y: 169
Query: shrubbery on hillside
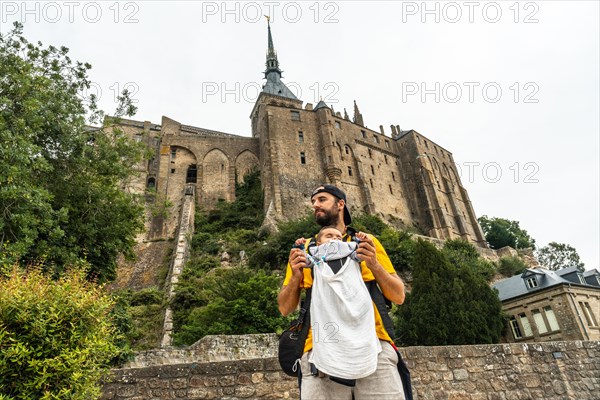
x: 231, y: 301
x: 509, y: 266
x: 211, y: 300
x: 140, y: 316
x: 451, y: 301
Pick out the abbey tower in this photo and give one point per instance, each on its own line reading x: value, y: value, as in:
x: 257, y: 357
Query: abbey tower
x: 405, y: 178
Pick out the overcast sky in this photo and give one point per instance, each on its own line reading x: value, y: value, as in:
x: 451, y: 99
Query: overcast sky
x: 510, y: 88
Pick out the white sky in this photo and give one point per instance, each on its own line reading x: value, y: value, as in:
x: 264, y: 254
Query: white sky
x: 510, y: 88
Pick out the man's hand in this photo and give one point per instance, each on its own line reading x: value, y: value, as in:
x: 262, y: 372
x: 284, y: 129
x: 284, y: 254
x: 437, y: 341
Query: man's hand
x: 297, y: 261
x: 366, y: 250
x: 289, y: 295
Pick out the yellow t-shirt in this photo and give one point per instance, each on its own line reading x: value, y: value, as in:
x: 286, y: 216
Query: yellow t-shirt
x: 367, y: 276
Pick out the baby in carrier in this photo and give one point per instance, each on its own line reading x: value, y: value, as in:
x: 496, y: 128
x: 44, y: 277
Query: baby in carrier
x: 341, y: 310
x: 329, y: 248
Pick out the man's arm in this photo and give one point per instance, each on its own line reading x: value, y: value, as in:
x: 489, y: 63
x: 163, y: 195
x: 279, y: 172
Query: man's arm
x: 289, y: 295
x: 390, y: 283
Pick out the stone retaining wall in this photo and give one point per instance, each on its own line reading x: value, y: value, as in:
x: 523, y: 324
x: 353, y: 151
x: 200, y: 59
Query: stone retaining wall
x: 551, y: 371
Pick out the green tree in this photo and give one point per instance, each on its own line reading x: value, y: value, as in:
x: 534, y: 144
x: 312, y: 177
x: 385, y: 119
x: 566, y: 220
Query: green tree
x: 56, y: 337
x: 555, y: 256
x: 500, y: 232
x: 60, y: 180
x: 450, y: 302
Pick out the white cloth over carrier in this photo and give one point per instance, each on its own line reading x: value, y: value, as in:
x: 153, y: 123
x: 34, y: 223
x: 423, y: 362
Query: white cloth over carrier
x: 345, y: 343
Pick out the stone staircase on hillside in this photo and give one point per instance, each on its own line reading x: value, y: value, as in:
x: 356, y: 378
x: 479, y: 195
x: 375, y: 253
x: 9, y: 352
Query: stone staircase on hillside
x: 180, y: 256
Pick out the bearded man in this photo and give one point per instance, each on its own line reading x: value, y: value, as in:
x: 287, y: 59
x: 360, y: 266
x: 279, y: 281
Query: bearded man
x: 330, y: 209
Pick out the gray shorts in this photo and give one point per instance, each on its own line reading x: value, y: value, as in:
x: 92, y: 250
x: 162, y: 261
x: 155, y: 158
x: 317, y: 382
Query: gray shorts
x: 383, y: 384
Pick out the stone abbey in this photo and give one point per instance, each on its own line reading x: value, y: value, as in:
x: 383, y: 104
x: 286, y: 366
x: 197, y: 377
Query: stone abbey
x: 405, y: 178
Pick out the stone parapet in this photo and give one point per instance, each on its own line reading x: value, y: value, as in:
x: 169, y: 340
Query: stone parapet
x: 550, y: 371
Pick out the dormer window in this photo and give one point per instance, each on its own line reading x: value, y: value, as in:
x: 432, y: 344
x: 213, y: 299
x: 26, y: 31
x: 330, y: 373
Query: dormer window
x: 531, y: 282
x: 581, y: 279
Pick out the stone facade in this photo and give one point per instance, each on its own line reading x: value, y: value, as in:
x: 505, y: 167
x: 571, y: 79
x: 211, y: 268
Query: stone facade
x: 550, y: 371
x: 404, y: 178
x: 212, y: 161
x: 297, y: 149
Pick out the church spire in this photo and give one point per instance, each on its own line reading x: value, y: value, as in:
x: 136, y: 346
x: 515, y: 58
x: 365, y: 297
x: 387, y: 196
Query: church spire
x: 274, y: 85
x: 272, y: 62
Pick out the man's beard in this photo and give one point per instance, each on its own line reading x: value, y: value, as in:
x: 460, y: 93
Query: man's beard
x: 328, y: 217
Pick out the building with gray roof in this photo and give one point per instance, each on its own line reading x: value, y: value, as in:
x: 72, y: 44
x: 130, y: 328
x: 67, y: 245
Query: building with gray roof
x: 544, y: 305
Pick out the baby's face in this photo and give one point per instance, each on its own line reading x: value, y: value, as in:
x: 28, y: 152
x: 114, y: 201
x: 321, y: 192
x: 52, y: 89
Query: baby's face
x: 330, y: 234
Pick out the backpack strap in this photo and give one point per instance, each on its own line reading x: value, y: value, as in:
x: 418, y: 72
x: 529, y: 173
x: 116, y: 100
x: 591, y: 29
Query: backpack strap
x: 381, y: 303
x: 304, y: 317
x: 304, y: 321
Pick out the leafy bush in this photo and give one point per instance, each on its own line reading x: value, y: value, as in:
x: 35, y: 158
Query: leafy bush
x: 56, y: 337
x: 140, y: 315
x: 231, y: 301
x: 510, y: 266
x: 147, y: 326
x: 125, y: 328
x: 246, y: 212
x: 146, y: 296
x: 188, y: 293
x: 206, y: 243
